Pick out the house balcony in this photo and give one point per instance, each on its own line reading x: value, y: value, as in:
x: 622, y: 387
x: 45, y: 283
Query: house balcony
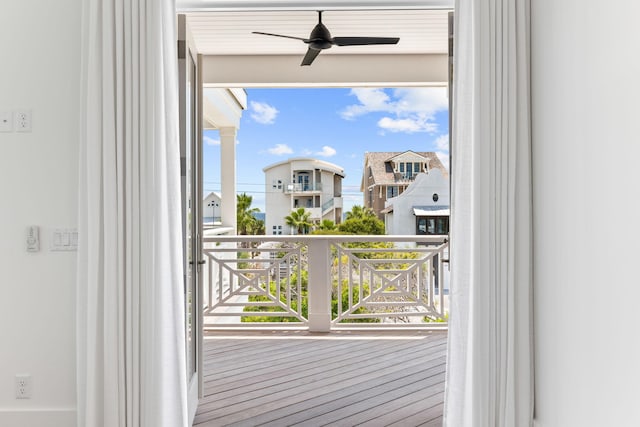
x: 324, y: 330
x: 404, y: 178
x: 321, y: 283
x: 347, y: 378
x: 301, y: 188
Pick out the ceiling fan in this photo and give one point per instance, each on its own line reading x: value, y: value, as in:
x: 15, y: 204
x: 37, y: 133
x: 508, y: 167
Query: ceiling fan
x: 321, y: 39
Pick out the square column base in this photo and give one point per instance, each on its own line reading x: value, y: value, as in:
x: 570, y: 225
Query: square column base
x: 319, y: 322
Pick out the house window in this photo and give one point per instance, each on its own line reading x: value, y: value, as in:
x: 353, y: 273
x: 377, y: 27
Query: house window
x: 432, y: 225
x: 392, y: 191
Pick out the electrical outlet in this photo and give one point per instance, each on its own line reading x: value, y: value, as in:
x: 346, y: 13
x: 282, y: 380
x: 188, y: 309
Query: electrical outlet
x: 23, y: 386
x: 23, y: 121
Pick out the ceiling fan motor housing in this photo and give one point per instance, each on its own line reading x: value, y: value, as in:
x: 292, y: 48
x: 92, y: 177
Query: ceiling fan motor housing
x: 320, y: 37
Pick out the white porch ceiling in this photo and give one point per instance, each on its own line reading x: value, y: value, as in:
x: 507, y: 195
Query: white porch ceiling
x: 228, y: 32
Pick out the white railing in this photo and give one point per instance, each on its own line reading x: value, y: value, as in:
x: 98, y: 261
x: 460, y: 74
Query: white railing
x: 325, y: 282
x: 299, y: 187
x: 327, y: 205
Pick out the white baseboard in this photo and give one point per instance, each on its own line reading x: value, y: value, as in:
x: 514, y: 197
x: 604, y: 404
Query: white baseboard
x: 38, y: 417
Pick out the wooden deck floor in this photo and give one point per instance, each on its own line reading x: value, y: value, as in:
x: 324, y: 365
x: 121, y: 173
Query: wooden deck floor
x: 339, y: 379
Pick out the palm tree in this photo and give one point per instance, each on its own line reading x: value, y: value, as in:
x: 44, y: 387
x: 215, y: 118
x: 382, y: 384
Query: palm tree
x: 328, y: 225
x: 299, y: 220
x: 246, y: 222
x: 359, y: 212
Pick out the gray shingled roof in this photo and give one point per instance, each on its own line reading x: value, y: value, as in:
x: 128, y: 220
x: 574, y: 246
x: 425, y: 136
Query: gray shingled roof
x: 383, y: 172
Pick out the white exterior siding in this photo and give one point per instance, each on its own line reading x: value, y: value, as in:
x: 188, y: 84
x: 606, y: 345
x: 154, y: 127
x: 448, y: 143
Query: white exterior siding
x: 212, y: 208
x: 402, y: 220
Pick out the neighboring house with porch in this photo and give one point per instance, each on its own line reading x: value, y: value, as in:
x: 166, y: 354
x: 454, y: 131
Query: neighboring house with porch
x: 388, y: 174
x: 307, y: 183
x: 423, y: 208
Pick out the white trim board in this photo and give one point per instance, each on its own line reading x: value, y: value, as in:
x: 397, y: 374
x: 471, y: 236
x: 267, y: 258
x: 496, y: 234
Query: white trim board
x: 240, y: 5
x: 65, y: 417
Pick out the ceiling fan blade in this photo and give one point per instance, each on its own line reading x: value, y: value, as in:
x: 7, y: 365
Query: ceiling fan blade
x: 360, y: 41
x: 279, y: 35
x: 310, y: 56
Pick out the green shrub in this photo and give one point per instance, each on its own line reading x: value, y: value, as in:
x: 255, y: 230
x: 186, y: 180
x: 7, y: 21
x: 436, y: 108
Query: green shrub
x: 355, y: 295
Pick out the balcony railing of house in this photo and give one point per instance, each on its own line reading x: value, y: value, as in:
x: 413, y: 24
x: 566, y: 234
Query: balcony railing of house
x: 327, y: 205
x: 298, y: 187
x: 399, y: 177
x: 322, y: 283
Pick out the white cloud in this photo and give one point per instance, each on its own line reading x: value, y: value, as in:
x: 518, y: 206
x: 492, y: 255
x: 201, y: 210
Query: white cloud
x: 423, y: 100
x: 210, y: 141
x: 263, y: 113
x: 370, y: 100
x: 280, y: 150
x: 326, y: 151
x: 413, y: 109
x: 408, y: 125
x: 442, y: 142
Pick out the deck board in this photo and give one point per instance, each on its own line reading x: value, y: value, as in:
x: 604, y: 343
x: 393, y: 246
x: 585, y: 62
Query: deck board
x: 345, y: 378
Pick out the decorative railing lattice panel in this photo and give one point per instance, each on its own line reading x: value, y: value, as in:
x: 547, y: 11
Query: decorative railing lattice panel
x: 326, y: 281
x: 389, y: 284
x: 256, y: 282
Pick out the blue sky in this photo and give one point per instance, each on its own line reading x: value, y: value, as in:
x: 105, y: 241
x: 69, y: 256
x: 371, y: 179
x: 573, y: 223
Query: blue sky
x: 337, y: 125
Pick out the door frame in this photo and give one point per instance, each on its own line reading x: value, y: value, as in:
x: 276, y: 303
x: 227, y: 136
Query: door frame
x: 191, y: 171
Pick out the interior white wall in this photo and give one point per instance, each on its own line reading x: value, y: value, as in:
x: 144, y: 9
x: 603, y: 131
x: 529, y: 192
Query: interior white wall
x: 586, y: 148
x: 38, y: 182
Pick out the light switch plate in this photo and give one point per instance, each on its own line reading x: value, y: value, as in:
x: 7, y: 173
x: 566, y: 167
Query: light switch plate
x: 6, y: 121
x: 64, y: 240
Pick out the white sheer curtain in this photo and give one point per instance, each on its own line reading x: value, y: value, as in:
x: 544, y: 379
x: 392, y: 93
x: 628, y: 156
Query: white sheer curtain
x: 490, y: 363
x: 130, y: 315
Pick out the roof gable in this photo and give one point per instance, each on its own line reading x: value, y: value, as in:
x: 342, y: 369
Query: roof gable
x: 408, y: 156
x: 377, y: 169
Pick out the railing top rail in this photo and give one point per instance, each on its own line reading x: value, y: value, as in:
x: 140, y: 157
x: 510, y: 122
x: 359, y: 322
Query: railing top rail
x: 345, y: 238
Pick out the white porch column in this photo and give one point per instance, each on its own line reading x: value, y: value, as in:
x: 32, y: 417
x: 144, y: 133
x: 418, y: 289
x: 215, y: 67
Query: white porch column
x: 319, y: 286
x: 228, y: 176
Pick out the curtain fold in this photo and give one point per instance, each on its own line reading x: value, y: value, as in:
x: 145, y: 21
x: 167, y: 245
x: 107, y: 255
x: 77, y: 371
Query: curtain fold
x: 130, y: 301
x: 490, y: 358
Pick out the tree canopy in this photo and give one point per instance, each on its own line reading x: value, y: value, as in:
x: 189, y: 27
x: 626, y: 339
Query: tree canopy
x: 327, y: 225
x: 361, y: 220
x: 247, y: 223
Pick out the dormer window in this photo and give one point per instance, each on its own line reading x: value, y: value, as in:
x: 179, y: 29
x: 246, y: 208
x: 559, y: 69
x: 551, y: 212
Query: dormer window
x: 409, y: 170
